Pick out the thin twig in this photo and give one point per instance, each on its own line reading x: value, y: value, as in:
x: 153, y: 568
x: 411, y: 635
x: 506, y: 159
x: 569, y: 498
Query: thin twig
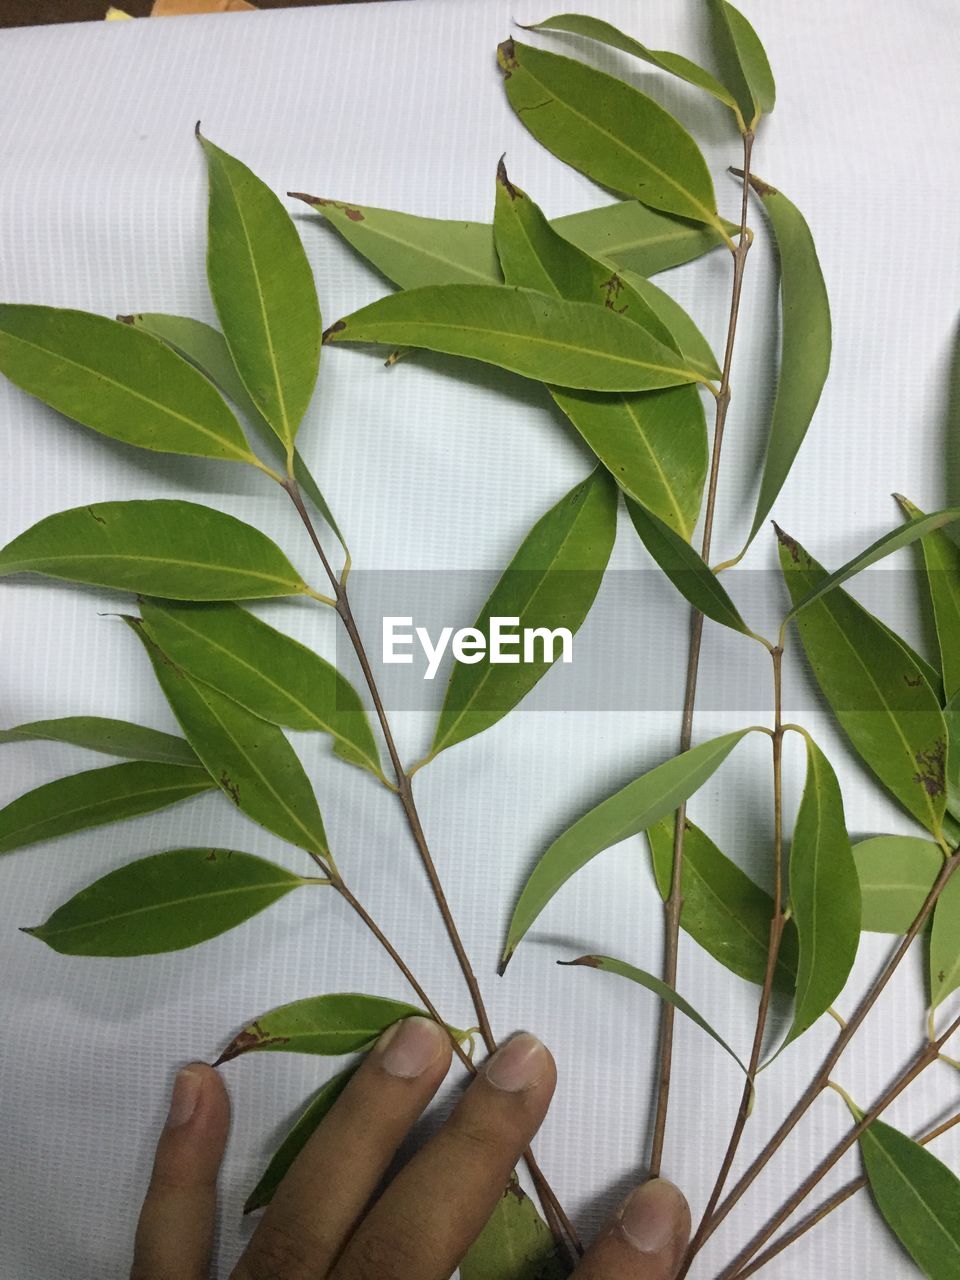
x: 674, y: 903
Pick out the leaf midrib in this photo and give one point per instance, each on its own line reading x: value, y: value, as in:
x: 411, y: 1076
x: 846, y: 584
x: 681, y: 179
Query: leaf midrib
x: 65, y: 558
x: 880, y: 1150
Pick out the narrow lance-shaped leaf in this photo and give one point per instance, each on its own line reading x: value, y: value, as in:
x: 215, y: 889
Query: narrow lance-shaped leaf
x: 263, y: 290
x: 250, y: 760
x: 95, y: 798
x: 878, y: 694
x: 805, y: 340
x: 896, y: 875
x: 111, y: 737
x: 942, y: 559
x: 608, y: 130
x: 165, y: 902
x: 160, y: 547
x: 945, y: 944
x: 633, y: 809
x: 723, y: 910
x: 951, y: 718
x: 342, y: 1022
x: 686, y: 569
x: 267, y: 672
x: 118, y: 381
x: 306, y: 1125
x: 824, y: 894
x: 515, y: 1244
x: 573, y: 344
x: 743, y: 60
x: 659, y: 988
x: 549, y: 586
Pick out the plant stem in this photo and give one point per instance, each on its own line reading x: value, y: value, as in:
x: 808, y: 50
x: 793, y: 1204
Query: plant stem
x: 821, y: 1079
x: 557, y: 1220
x: 674, y: 903
x: 834, y: 1202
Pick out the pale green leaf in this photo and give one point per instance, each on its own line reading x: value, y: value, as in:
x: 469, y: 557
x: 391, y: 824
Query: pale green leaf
x: 264, y: 670
x: 942, y: 559
x: 550, y: 583
x: 95, y: 798
x: 945, y: 944
x: 342, y: 1022
x: 118, y: 381
x: 161, y: 547
x: 896, y: 875
x: 111, y: 737
x: 263, y: 290
x: 516, y: 1243
x: 743, y: 61
x: 633, y: 809
x: 165, y: 902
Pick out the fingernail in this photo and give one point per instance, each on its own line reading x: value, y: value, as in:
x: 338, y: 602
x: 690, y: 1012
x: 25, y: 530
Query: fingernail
x: 185, y: 1096
x: 654, y: 1218
x: 410, y: 1046
x: 518, y: 1065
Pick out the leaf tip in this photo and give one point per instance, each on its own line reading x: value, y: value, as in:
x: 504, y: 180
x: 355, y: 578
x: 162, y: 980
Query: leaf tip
x: 504, y: 961
x: 504, y: 181
x: 131, y: 319
x: 196, y: 131
x: 33, y: 930
x: 329, y: 335
x: 587, y: 962
x: 507, y: 57
x: 786, y: 541
x: 760, y: 187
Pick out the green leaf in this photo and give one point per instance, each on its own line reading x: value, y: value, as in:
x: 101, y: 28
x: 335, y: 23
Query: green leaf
x: 608, y: 130
x: 306, y: 1125
x: 686, y: 569
x: 550, y: 583
x: 877, y: 692
x: 918, y: 1196
x: 111, y: 737
x: 119, y: 381
x: 930, y: 674
x: 896, y: 875
x: 805, y: 339
x: 744, y: 66
x: 264, y: 293
x: 206, y: 348
x: 343, y: 1022
x: 516, y: 1243
x: 580, y: 24
x: 683, y: 329
x: 165, y: 902
x: 824, y: 894
x: 635, y: 808
x: 265, y: 671
x: 96, y: 797
x: 574, y: 344
x: 413, y: 251
x: 945, y: 944
x: 160, y: 547
x: 942, y: 559
x: 250, y: 760
x: 951, y: 718
x: 608, y: 965
x: 723, y: 910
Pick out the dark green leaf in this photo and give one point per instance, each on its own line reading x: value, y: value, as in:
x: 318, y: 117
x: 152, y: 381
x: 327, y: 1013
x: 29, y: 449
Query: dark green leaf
x: 264, y: 670
x: 112, y: 737
x: 573, y: 344
x: 250, y: 760
x: 307, y: 1123
x: 96, y: 797
x: 263, y: 291
x: 877, y: 692
x: 119, y: 381
x: 942, y: 558
x: 608, y: 130
x: 343, y: 1022
x: 516, y: 1243
x: 723, y: 910
x: 744, y: 66
x: 945, y: 944
x: 951, y: 718
x: 550, y: 583
x: 635, y: 808
x: 161, y: 547
x: 804, y: 345
x: 824, y: 894
x: 165, y: 902
x: 896, y: 875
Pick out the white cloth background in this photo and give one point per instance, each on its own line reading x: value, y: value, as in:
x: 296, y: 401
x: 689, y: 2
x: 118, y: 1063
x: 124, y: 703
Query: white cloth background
x: 435, y: 465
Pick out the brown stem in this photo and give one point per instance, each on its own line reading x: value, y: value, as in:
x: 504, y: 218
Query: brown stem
x: 674, y: 903
x: 822, y: 1078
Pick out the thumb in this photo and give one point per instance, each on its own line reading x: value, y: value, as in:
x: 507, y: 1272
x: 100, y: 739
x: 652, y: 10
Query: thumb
x: 175, y: 1233
x: 645, y: 1241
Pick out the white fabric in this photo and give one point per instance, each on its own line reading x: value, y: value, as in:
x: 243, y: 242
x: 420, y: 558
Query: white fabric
x: 437, y: 466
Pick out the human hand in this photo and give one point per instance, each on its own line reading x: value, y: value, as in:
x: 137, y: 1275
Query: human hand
x: 326, y: 1222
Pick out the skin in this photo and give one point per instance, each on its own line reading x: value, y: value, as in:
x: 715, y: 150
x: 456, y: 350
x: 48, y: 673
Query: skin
x: 333, y: 1219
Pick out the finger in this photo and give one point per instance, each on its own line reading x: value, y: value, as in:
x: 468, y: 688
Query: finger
x: 329, y: 1186
x: 430, y: 1215
x: 175, y: 1232
x: 645, y: 1241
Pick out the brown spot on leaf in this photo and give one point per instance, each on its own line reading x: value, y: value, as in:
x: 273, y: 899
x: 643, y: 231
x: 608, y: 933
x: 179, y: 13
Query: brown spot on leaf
x: 250, y: 1038
x: 760, y: 187
x: 127, y: 319
x: 914, y: 682
x: 334, y: 328
x: 931, y: 768
x: 504, y: 181
x: 227, y: 784
x: 611, y: 289
x: 99, y: 519
x: 351, y: 211
x: 507, y: 58
x: 786, y: 541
